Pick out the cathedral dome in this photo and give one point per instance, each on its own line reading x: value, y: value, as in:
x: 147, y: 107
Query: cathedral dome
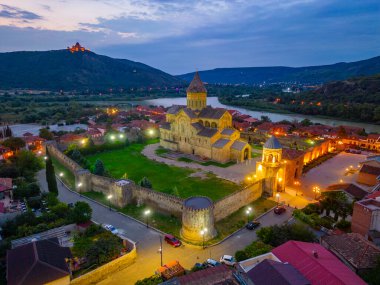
x: 273, y: 143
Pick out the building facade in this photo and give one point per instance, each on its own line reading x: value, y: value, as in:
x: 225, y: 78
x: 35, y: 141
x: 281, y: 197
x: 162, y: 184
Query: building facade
x: 200, y: 130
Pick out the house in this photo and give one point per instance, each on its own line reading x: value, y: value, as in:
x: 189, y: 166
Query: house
x: 355, y: 192
x: 6, y: 185
x: 210, y: 276
x: 94, y: 133
x: 5, y: 152
x: 316, y: 263
x: 270, y: 272
x: 366, y: 219
x: 34, y: 143
x: 369, y: 171
x: 71, y: 138
x: 39, y: 262
x: 353, y: 250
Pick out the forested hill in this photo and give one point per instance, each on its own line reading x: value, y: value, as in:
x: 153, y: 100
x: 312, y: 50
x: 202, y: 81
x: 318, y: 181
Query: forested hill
x: 276, y: 74
x: 355, y: 99
x: 63, y: 70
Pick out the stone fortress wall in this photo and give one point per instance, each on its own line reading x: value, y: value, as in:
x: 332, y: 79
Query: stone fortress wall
x: 125, y: 192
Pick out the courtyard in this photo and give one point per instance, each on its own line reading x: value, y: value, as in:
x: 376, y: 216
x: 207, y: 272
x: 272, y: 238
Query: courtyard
x: 183, y: 182
x: 333, y: 171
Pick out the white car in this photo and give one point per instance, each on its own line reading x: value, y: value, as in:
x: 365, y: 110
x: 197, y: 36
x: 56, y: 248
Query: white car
x: 228, y: 260
x: 111, y: 228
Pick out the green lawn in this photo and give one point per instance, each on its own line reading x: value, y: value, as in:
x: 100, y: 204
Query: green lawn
x: 68, y: 178
x: 164, y: 178
x: 166, y: 223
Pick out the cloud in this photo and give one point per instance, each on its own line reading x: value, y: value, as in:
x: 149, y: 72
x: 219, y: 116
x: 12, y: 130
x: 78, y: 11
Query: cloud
x: 16, y: 13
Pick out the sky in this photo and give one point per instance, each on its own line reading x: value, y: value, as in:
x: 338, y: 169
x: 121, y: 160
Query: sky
x: 180, y: 36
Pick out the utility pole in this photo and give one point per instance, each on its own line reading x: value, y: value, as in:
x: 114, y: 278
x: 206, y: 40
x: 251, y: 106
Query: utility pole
x: 161, y: 248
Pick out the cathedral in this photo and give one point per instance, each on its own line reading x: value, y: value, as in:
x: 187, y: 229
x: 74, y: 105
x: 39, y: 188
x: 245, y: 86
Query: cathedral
x: 201, y: 130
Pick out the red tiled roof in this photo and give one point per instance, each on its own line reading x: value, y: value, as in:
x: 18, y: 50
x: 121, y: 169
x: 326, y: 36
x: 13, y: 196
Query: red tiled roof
x: 374, y: 195
x: 265, y: 126
x: 5, y: 184
x: 325, y: 269
x: 212, y: 275
x: 70, y: 137
x: 31, y: 139
x: 355, y: 249
x: 27, y: 134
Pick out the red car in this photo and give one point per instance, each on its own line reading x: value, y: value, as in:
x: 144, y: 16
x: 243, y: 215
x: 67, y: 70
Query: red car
x: 172, y: 240
x: 279, y: 210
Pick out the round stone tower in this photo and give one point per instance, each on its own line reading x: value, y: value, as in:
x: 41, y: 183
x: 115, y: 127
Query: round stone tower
x: 198, y: 219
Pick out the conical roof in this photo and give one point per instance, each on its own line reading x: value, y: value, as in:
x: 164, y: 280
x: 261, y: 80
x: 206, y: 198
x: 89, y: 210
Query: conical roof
x: 273, y: 143
x: 196, y: 85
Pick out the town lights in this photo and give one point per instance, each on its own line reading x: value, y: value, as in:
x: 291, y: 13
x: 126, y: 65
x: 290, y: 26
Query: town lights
x: 203, y: 233
x: 151, y: 132
x: 112, y: 137
x: 79, y: 185
x: 278, y: 198
x: 45, y: 157
x: 61, y: 174
x: 121, y: 136
x: 260, y: 168
x: 146, y: 214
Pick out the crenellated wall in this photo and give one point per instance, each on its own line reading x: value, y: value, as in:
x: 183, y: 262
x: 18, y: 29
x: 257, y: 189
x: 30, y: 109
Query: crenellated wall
x: 125, y: 191
x: 236, y: 200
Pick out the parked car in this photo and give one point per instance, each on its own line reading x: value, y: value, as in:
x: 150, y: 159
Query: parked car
x: 279, y: 210
x: 111, y: 228
x: 212, y: 262
x: 228, y: 260
x: 252, y: 225
x: 172, y: 240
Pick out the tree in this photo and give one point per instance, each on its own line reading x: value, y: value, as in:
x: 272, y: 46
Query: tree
x: 99, y: 167
x: 14, y: 143
x: 46, y: 134
x: 145, y: 183
x: 27, y: 164
x: 265, y: 119
x: 50, y: 175
x: 277, y: 235
x: 81, y: 212
x: 306, y: 122
x: 104, y: 249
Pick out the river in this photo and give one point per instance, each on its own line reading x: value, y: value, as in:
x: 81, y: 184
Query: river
x: 275, y: 117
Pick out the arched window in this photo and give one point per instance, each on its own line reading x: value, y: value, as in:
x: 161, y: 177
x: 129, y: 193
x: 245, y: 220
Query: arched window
x: 214, y: 125
x: 270, y: 158
x: 201, y: 122
x: 207, y: 124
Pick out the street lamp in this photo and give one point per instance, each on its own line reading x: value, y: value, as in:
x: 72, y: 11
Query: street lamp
x: 109, y: 197
x: 248, y: 212
x: 121, y: 136
x: 151, y: 132
x: 203, y: 232
x: 112, y: 137
x: 160, y: 249
x: 146, y: 214
x: 61, y: 174
x: 316, y: 191
x: 278, y: 198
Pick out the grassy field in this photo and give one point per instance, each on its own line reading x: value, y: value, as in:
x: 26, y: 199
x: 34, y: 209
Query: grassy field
x: 172, y: 225
x: 68, y: 178
x: 164, y: 178
x: 166, y: 223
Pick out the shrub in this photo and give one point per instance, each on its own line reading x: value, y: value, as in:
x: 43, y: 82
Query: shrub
x: 343, y: 225
x: 254, y: 249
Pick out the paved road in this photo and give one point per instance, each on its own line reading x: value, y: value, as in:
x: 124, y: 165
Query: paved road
x: 148, y: 259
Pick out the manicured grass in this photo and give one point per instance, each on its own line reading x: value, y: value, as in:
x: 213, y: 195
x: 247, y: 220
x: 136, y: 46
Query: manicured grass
x: 255, y: 154
x: 161, y: 150
x: 318, y: 161
x: 255, y: 146
x: 164, y: 178
x: 68, y: 178
x: 207, y: 163
x: 239, y: 218
x: 166, y: 223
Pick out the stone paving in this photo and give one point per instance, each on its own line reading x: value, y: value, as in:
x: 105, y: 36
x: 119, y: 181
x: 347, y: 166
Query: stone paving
x: 331, y: 172
x: 235, y: 173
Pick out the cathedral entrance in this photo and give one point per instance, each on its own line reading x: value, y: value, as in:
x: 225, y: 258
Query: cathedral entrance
x: 246, y: 154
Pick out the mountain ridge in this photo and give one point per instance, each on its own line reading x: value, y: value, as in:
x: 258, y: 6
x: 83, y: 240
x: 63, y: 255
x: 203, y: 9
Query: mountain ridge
x: 316, y: 74
x: 64, y: 70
